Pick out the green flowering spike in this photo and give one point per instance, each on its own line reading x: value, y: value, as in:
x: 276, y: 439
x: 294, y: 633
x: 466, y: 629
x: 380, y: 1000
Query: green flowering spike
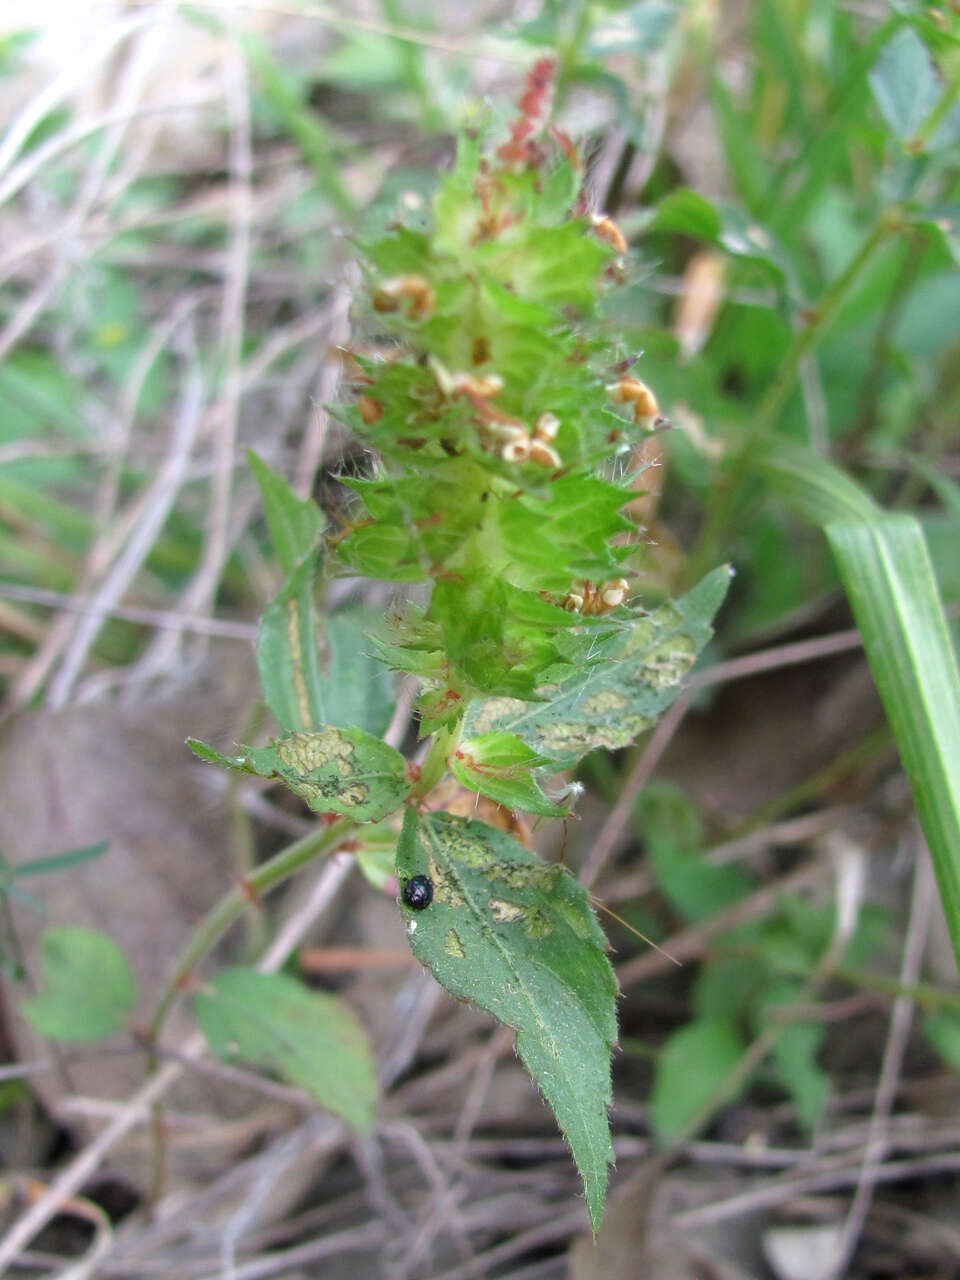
x: 498, y: 451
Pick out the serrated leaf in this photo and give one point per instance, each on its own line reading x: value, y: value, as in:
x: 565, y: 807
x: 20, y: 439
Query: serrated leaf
x: 609, y: 704
x: 516, y: 936
x: 691, y: 1065
x: 501, y: 766
x: 345, y: 771
x: 384, y: 551
x: 271, y: 1021
x: 90, y: 989
x: 294, y: 524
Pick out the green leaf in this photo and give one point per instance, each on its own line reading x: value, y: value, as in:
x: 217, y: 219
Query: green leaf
x: 745, y: 164
x: 610, y: 703
x: 288, y: 658
x: 90, y: 989
x: 500, y: 765
x: 271, y: 1021
x: 516, y: 936
x: 294, y: 524
x: 687, y: 213
x: 61, y: 861
x: 684, y: 212
x: 673, y: 837
x: 345, y: 686
x: 943, y: 1032
x: 904, y: 83
x: 691, y: 1066
x: 345, y: 771
x: 944, y: 221
x: 637, y: 28
x: 357, y: 689
x: 376, y: 854
x: 889, y: 580
x: 795, y: 1058
x: 726, y: 985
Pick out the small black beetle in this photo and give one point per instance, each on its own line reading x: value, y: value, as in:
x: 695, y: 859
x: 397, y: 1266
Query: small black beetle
x: 418, y: 892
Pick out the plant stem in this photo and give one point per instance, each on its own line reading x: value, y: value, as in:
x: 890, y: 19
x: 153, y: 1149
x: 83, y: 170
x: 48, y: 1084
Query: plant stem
x: 232, y: 906
x: 779, y: 392
x: 434, y: 765
x: 935, y: 119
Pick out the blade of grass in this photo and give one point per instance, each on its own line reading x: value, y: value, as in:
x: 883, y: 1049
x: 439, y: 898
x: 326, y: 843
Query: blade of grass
x: 889, y: 580
x: 812, y: 486
x: 888, y: 576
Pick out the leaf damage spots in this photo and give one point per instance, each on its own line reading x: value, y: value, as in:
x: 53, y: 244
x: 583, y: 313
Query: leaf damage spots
x: 604, y: 702
x: 493, y: 710
x: 307, y: 752
x: 452, y: 945
x: 445, y: 888
x: 578, y: 738
x: 668, y: 662
x: 504, y: 912
x: 519, y: 875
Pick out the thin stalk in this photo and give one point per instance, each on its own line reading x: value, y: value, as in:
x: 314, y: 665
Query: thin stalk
x: 780, y: 390
x: 205, y: 937
x: 927, y: 995
x: 233, y: 904
x: 935, y: 119
x: 434, y: 765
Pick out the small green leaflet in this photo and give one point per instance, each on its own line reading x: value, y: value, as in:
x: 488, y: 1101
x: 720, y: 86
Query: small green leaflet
x: 905, y: 84
x: 89, y: 987
x: 295, y: 525
x: 334, y: 770
x: 614, y: 701
x: 270, y: 1020
x: 692, y: 1064
x: 501, y: 766
x: 516, y: 935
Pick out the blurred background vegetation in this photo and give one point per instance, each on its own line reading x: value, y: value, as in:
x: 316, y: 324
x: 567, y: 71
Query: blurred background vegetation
x: 179, y: 188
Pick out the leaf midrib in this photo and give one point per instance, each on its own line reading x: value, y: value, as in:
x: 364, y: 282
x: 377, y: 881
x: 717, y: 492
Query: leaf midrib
x: 600, y: 1152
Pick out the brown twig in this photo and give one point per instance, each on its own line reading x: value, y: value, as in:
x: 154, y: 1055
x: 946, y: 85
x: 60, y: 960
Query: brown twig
x: 901, y: 1015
